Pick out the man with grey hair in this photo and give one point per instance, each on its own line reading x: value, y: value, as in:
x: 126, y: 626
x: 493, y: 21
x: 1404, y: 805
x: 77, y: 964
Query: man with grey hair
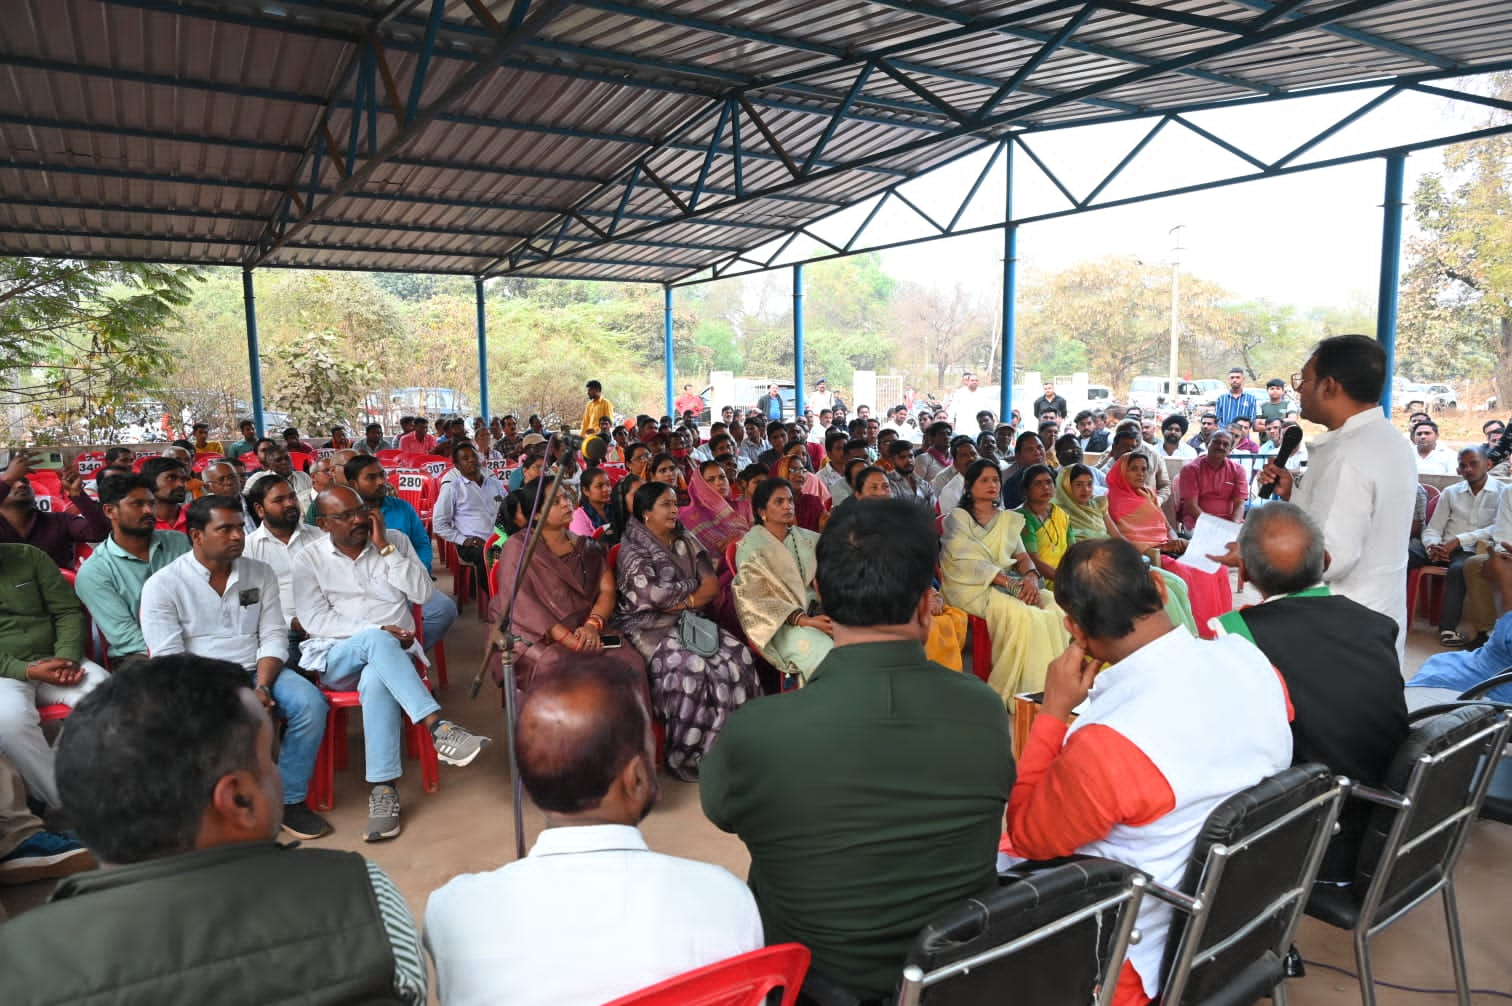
x: 1337, y: 657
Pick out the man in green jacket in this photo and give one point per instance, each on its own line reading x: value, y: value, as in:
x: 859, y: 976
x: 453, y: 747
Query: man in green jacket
x: 41, y: 660
x: 169, y: 773
x: 871, y: 800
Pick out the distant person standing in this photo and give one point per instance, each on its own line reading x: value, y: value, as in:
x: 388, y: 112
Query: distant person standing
x: 770, y: 405
x: 1237, y: 404
x: 597, y: 407
x: 1360, y: 478
x: 688, y: 401
x: 821, y: 397
x: 1049, y: 401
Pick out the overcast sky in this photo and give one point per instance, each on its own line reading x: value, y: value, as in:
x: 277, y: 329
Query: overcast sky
x: 1308, y: 239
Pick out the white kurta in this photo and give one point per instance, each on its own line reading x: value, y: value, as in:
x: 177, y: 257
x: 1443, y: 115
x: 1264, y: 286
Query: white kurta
x: 1360, y: 485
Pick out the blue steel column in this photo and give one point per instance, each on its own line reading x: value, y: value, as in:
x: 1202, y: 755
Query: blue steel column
x: 667, y: 345
x: 254, y: 364
x: 482, y: 353
x: 1010, y: 287
x: 1391, y: 267
x: 798, y: 378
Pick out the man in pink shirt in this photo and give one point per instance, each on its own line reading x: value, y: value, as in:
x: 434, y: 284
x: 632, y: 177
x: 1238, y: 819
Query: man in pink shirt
x: 1212, y: 484
x: 419, y: 440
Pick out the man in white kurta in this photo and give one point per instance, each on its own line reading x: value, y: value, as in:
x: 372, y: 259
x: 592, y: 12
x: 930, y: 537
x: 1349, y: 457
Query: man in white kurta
x: 1361, y: 477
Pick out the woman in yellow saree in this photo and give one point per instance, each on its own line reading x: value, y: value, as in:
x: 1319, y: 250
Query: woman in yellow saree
x: 774, y: 584
x: 988, y: 573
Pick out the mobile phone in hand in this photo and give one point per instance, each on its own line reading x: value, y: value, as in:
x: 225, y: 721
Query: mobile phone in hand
x: 610, y: 640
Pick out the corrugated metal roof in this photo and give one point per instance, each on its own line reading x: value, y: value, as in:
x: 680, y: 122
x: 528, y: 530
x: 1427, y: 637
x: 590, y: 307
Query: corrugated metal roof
x: 601, y: 138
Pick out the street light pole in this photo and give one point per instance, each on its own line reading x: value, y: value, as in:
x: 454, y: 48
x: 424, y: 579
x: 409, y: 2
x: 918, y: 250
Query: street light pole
x: 1175, y: 233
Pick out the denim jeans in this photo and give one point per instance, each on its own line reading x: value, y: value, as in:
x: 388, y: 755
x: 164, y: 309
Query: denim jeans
x: 376, y: 665
x: 436, y: 616
x: 301, y: 706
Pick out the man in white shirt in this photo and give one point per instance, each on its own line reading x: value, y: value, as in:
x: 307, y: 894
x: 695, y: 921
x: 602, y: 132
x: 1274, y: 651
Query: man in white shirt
x: 280, y: 536
x: 467, y: 509
x: 274, y: 458
x: 1464, y: 517
x: 354, y: 598
x: 587, y: 759
x: 968, y: 400
x: 1360, y: 478
x: 215, y: 602
x: 820, y: 399
x: 949, y: 482
x: 1432, y: 459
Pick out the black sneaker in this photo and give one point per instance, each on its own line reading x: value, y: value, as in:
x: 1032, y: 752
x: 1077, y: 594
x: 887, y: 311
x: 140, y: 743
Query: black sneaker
x: 44, y: 856
x: 303, y: 823
x: 383, y: 814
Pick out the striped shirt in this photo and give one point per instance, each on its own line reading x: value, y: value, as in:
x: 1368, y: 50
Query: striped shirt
x: 411, y: 980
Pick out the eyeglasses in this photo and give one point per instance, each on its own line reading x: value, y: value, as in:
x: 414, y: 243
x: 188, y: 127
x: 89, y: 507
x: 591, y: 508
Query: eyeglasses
x: 1297, y: 380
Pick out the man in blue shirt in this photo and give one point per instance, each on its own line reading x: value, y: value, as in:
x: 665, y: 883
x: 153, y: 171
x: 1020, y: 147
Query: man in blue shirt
x: 365, y: 474
x: 1237, y: 403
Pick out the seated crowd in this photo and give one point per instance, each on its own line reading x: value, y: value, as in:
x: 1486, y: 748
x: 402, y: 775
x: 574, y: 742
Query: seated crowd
x: 782, y: 610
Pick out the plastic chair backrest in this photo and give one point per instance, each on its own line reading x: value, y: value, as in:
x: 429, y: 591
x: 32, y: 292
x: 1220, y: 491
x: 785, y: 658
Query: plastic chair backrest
x: 301, y: 461
x: 88, y: 464
x: 48, y: 489
x: 739, y: 981
x: 388, y: 458
x: 250, y: 462
x: 411, y: 485
x: 1433, y: 497
x: 1055, y: 935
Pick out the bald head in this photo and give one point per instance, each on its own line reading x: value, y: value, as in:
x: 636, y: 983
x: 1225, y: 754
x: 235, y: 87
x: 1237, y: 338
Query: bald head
x: 579, y: 731
x: 1281, y: 549
x: 336, y: 500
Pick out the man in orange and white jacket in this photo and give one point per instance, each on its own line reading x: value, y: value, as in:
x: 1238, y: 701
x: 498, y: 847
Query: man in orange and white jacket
x: 1173, y: 726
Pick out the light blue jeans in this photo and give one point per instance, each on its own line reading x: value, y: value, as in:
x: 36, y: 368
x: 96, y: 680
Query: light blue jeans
x: 376, y: 666
x: 303, y: 709
x: 436, y: 616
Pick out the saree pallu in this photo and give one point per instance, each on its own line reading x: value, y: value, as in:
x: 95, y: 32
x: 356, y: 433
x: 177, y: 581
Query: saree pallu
x: 1138, y: 517
x: 773, y: 579
x: 1024, y: 639
x: 691, y: 694
x: 555, y: 589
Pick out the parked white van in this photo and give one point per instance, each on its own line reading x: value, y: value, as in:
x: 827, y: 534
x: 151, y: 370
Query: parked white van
x: 1154, y: 393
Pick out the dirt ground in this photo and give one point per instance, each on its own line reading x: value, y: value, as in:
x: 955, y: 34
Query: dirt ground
x: 468, y: 827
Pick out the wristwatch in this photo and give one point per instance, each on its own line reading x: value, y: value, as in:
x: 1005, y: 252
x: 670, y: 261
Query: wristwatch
x: 264, y: 689
x: 387, y: 549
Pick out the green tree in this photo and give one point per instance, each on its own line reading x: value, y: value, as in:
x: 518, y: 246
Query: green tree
x: 81, y: 339
x: 1119, y: 310
x: 320, y: 384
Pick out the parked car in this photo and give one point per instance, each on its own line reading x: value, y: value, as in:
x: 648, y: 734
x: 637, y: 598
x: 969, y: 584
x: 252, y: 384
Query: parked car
x: 1150, y: 393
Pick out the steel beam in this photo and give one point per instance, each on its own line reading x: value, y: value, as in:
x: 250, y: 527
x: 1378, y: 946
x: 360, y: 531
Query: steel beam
x: 1010, y: 292
x: 254, y: 360
x: 483, y: 409
x: 799, y: 377
x: 1391, y: 265
x: 668, y: 363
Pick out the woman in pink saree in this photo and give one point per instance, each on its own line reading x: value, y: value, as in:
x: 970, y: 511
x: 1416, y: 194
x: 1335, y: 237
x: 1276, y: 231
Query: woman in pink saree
x: 566, y: 602
x: 1139, y: 519
x: 710, y: 515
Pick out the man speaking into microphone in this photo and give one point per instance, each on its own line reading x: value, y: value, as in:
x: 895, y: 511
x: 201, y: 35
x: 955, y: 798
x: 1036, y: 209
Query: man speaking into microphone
x: 1360, y: 478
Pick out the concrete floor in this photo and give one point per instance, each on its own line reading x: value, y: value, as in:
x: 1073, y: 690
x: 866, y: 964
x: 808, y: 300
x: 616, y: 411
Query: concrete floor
x: 468, y: 827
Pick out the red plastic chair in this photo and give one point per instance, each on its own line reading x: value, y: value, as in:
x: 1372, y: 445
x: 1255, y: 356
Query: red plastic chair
x: 1433, y: 588
x: 250, y: 463
x: 88, y: 463
x: 981, y: 646
x: 739, y: 981
x: 333, y: 746
x: 301, y: 461
x: 54, y: 712
x: 48, y: 489
x: 389, y: 458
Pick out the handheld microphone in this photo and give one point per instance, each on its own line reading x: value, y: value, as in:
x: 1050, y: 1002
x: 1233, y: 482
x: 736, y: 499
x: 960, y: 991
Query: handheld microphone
x: 1290, y: 441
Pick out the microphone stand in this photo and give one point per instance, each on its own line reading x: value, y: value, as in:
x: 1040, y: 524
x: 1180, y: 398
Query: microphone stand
x: 504, y: 641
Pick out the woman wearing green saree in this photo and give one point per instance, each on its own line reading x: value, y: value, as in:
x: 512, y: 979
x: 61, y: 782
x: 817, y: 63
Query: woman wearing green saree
x: 1088, y: 517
